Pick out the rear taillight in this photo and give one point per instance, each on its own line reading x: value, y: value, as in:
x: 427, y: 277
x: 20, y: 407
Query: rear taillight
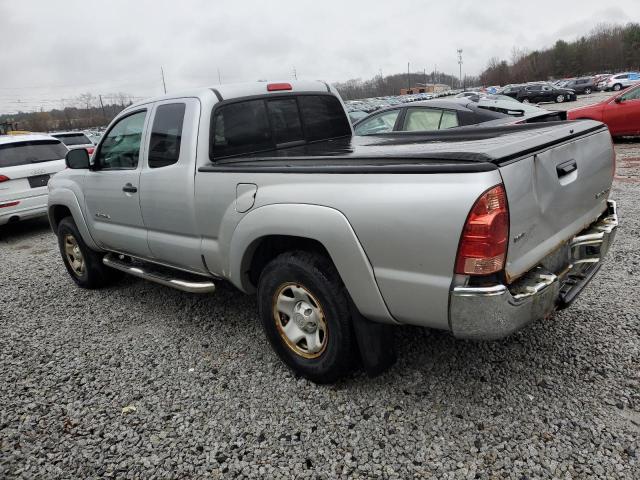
x: 90, y: 150
x: 275, y: 87
x: 10, y: 204
x: 483, y: 243
x: 4, y: 178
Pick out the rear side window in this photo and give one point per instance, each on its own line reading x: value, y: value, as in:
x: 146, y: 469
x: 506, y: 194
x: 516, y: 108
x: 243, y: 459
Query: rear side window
x: 166, y: 135
x: 34, y: 151
x: 74, y: 139
x: 260, y: 125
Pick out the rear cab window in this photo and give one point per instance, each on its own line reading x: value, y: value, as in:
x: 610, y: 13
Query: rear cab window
x: 32, y: 151
x: 258, y: 125
x: 166, y: 135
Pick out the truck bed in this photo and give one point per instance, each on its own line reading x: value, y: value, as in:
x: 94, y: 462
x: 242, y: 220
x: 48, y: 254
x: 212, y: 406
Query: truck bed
x: 466, y: 149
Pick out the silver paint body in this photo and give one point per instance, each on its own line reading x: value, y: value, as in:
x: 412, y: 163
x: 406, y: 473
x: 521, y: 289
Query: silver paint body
x: 392, y: 237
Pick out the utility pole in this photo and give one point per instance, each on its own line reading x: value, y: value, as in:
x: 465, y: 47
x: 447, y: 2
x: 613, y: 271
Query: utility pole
x: 460, y: 64
x: 408, y: 77
x: 102, y: 106
x: 295, y: 73
x: 425, y: 78
x: 164, y: 85
x: 219, y: 77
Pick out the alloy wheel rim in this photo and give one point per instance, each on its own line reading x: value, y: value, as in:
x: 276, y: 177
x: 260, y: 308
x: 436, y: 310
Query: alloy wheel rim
x: 560, y: 98
x: 300, y: 320
x: 74, y: 255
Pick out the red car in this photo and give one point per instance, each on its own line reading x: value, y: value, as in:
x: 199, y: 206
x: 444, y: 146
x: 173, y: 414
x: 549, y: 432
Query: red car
x: 621, y: 113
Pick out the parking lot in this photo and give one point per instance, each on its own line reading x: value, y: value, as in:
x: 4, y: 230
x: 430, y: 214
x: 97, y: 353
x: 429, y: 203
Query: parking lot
x: 138, y: 380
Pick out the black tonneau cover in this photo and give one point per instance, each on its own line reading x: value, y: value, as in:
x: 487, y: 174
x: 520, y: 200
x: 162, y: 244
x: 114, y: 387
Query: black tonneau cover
x: 457, y: 150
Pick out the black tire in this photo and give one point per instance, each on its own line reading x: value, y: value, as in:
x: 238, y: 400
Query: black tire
x: 587, y: 91
x: 617, y: 87
x: 94, y: 273
x: 316, y: 274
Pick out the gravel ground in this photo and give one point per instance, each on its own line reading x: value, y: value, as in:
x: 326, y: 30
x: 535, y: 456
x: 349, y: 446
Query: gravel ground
x: 140, y: 381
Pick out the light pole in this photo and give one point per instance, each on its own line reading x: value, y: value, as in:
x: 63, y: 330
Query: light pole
x: 460, y: 64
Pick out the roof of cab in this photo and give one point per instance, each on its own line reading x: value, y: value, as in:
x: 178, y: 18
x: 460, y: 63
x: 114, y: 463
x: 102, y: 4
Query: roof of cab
x: 236, y: 90
x: 31, y: 137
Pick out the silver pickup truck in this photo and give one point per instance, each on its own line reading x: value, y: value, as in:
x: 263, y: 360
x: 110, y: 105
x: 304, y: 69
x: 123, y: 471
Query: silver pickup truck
x: 477, y: 231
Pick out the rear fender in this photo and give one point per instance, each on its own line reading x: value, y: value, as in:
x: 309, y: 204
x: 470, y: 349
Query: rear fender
x: 323, y: 224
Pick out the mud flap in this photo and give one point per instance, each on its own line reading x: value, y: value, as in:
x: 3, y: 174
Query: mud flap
x: 375, y: 343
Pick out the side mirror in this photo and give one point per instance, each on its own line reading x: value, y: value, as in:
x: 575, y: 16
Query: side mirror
x: 618, y: 100
x: 77, y: 159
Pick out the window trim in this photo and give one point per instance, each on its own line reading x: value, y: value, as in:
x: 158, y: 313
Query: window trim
x: 95, y: 165
x: 265, y: 98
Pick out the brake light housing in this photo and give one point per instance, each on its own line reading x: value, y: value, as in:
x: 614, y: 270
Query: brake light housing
x: 277, y: 87
x: 485, y: 237
x: 4, y: 178
x: 90, y: 150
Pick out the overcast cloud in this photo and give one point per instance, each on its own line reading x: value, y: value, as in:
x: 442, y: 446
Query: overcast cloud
x: 58, y: 50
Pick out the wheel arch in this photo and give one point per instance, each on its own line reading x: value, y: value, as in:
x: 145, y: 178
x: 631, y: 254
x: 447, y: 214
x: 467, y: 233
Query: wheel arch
x: 63, y: 203
x: 268, y: 231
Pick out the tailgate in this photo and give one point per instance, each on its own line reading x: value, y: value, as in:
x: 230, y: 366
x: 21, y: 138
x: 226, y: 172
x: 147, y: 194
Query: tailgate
x: 554, y: 194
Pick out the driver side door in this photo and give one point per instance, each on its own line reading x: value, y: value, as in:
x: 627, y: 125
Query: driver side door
x: 111, y: 188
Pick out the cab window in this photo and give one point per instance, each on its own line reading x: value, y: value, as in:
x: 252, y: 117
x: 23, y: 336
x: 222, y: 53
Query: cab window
x: 166, y: 135
x: 120, y: 149
x: 631, y: 95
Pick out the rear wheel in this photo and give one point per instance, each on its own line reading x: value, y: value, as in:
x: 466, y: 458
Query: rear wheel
x: 560, y: 99
x: 617, y: 87
x: 526, y: 100
x: 587, y: 91
x: 83, y: 264
x: 305, y: 314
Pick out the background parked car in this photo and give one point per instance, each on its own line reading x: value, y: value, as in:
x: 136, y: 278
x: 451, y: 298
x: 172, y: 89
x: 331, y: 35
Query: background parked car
x: 545, y: 93
x: 619, y: 81
x: 75, y: 140
x: 621, y: 113
x: 26, y: 164
x: 584, y: 85
x: 356, y: 115
x: 512, y: 90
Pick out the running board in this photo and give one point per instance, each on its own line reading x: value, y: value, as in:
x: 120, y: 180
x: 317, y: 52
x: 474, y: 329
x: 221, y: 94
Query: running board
x: 162, y: 275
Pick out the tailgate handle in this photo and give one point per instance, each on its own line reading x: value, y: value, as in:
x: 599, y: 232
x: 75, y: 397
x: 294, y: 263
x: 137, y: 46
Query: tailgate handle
x: 566, y: 168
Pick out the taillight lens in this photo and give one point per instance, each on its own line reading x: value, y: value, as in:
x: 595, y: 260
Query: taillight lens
x: 4, y: 178
x: 90, y: 150
x: 484, y: 239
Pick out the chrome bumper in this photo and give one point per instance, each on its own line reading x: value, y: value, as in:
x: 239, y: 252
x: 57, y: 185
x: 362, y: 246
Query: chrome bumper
x: 492, y: 312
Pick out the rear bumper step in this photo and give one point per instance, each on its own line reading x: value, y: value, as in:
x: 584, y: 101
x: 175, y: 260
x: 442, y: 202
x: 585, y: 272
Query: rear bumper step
x: 495, y: 311
x: 162, y: 275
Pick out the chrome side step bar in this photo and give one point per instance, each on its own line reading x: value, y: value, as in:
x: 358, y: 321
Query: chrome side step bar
x: 161, y: 275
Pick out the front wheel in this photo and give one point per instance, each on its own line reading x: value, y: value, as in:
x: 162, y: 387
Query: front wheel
x: 560, y: 99
x: 83, y: 264
x: 526, y: 100
x: 587, y: 91
x: 305, y: 314
x: 617, y: 87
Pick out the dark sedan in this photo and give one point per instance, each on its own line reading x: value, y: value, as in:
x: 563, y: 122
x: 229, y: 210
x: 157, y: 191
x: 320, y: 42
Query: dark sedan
x: 425, y: 116
x: 545, y: 93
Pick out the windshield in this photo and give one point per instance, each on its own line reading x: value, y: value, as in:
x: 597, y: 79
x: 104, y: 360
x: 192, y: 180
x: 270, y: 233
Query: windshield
x: 34, y: 151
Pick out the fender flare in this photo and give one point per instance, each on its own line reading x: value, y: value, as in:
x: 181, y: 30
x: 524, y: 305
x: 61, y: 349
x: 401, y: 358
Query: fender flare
x: 66, y: 198
x: 323, y: 224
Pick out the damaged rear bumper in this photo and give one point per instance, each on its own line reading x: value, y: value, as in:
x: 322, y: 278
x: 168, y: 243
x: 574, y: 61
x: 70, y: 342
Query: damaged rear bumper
x: 495, y: 311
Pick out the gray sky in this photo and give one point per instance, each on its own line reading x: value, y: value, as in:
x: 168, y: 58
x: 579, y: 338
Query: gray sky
x: 53, y: 50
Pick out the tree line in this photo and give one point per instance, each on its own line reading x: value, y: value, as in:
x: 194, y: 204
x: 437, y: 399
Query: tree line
x: 606, y: 49
x: 89, y: 111
x: 381, y: 86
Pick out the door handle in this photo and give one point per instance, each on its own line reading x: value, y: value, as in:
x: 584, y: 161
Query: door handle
x: 566, y: 168
x: 129, y: 188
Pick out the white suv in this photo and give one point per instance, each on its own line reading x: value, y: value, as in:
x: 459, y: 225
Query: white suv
x: 619, y: 81
x: 26, y: 164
